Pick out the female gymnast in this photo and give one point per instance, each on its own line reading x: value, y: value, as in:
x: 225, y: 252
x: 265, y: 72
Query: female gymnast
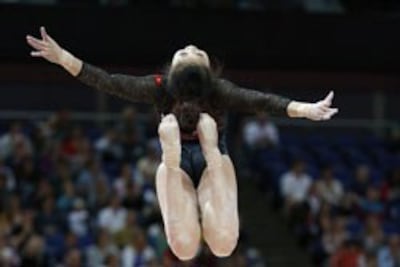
x: 196, y: 181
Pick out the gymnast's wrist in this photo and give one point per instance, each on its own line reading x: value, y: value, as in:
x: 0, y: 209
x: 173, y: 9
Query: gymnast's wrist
x: 298, y: 109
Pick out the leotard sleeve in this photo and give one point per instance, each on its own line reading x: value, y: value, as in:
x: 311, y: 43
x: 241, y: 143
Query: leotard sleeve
x: 235, y: 98
x: 141, y: 89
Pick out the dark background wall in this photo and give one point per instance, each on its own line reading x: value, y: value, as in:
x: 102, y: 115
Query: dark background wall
x: 295, y: 54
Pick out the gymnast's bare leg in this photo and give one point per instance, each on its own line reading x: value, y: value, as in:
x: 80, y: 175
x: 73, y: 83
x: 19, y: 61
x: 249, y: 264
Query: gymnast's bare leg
x: 217, y: 193
x: 176, y: 194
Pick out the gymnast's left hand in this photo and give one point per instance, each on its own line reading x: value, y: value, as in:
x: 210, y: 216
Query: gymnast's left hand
x: 46, y: 47
x: 318, y: 111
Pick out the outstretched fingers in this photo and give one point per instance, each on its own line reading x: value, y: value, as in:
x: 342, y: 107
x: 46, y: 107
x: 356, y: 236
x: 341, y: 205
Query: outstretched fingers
x: 44, y: 34
x: 328, y: 99
x: 35, y: 43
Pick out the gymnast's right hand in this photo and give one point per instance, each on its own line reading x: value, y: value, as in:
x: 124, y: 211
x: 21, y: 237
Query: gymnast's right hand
x: 46, y: 47
x: 49, y: 49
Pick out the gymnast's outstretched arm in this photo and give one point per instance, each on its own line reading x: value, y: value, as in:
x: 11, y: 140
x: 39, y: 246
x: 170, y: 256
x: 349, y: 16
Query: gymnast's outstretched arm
x: 236, y: 98
x: 134, y: 88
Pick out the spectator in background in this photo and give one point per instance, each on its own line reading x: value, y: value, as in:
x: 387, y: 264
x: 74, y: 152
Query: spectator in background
x: 48, y: 215
x: 5, y: 223
x: 126, y: 178
x: 28, y: 179
x: 88, y: 180
x: 66, y: 200
x: 33, y: 253
x: 134, y: 198
x: 15, y: 140
x: 328, y: 188
x: 73, y: 258
x: 113, y: 217
x: 78, y: 219
x: 109, y: 146
x: 389, y: 256
x: 76, y: 149
x: 361, y: 180
x: 349, y: 255
x: 8, y: 174
x: 97, y: 253
x: 391, y: 188
x: 371, y: 203
x: 8, y: 255
x: 261, y: 133
x: 131, y: 133
x: 336, y: 235
x: 148, y: 164
x: 137, y: 252
x: 373, y: 234
x: 295, y: 186
x: 131, y: 226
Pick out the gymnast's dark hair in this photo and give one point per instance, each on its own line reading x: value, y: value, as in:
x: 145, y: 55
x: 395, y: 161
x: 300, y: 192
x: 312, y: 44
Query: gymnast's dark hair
x: 191, y: 87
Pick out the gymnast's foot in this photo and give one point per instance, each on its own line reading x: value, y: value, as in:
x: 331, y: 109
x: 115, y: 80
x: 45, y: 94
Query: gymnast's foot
x: 168, y: 131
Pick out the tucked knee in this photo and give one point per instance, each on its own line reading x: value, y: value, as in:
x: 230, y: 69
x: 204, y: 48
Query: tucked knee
x: 222, y: 243
x: 183, y: 244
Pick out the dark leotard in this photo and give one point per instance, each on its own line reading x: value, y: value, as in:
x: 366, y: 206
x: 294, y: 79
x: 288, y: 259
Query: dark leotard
x: 150, y: 89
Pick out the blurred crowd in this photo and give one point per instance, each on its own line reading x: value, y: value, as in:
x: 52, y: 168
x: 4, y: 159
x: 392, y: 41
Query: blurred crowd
x: 74, y: 195
x: 340, y: 195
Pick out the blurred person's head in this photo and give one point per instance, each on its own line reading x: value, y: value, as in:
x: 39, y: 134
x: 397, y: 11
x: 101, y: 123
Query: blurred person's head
x: 394, y: 243
x: 373, y: 224
x: 126, y: 171
x: 325, y: 222
x: 48, y: 205
x: 131, y: 218
x: 115, y: 201
x: 140, y: 240
x: 14, y: 204
x: 94, y: 166
x: 63, y: 170
x: 298, y: 166
x: 34, y: 247
x: 69, y: 189
x: 362, y: 174
x: 44, y: 188
x: 373, y: 194
x: 71, y: 240
x: 111, y: 260
x: 79, y: 204
x: 73, y: 258
x: 327, y: 174
x: 339, y: 225
x: 103, y: 237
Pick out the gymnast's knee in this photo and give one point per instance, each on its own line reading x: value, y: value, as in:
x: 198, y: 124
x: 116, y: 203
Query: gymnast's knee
x: 184, y: 245
x: 224, y: 242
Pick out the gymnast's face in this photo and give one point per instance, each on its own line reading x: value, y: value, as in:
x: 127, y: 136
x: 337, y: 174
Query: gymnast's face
x: 190, y: 55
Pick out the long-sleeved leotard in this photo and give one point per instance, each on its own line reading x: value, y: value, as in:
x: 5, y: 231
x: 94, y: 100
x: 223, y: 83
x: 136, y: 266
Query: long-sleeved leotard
x: 148, y: 89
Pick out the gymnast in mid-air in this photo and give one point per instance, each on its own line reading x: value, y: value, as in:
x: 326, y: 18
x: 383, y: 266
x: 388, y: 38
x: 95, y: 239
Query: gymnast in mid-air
x: 195, y: 182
